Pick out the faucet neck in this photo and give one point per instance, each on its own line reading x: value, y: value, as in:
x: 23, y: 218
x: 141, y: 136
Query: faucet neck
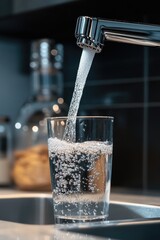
x: 92, y: 32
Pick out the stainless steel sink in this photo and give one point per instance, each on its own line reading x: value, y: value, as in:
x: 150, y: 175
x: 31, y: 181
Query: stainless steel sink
x: 37, y: 209
x: 27, y: 208
x: 146, y: 229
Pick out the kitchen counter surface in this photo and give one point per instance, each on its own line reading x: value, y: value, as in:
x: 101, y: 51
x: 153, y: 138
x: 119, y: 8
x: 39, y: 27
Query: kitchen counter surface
x: 14, y: 231
x: 135, y: 196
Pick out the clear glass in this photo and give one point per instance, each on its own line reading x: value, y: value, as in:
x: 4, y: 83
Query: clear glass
x: 81, y: 170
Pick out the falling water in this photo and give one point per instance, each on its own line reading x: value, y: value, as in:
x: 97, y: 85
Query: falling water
x: 83, y: 70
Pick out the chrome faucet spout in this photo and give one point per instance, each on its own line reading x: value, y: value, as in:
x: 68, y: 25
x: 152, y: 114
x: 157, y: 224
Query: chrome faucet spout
x: 93, y: 32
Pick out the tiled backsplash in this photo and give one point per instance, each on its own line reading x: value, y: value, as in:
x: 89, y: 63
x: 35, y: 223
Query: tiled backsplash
x: 124, y: 82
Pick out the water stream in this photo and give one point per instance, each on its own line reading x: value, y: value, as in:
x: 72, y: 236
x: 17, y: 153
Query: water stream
x: 82, y: 73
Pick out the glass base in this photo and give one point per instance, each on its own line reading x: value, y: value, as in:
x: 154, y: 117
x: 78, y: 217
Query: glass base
x: 70, y: 220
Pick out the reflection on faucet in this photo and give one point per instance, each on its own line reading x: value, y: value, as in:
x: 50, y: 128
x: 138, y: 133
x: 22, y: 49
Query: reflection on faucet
x: 92, y: 33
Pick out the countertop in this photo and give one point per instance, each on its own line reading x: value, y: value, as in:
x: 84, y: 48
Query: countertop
x: 17, y: 231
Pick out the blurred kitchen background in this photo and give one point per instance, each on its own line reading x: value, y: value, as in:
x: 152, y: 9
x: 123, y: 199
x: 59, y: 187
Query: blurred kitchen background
x: 124, y: 80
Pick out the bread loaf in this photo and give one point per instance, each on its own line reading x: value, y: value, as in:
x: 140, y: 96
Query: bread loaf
x: 31, y: 168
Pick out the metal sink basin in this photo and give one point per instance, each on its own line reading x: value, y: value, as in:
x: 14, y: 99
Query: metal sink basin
x: 27, y: 208
x: 146, y: 229
x: 37, y: 209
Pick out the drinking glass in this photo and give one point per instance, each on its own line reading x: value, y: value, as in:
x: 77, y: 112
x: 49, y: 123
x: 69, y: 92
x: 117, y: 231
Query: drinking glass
x: 80, y: 167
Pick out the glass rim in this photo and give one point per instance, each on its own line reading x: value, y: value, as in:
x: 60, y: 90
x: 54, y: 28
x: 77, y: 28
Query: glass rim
x: 79, y: 117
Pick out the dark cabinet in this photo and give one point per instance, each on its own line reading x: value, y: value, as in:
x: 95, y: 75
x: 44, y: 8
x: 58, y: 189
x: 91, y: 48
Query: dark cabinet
x: 40, y: 18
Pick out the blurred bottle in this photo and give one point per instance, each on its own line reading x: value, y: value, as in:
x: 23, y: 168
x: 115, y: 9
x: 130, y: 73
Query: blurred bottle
x: 5, y: 152
x: 31, y: 166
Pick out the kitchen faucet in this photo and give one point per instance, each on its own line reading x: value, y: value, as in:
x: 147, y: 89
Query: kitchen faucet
x: 92, y: 32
